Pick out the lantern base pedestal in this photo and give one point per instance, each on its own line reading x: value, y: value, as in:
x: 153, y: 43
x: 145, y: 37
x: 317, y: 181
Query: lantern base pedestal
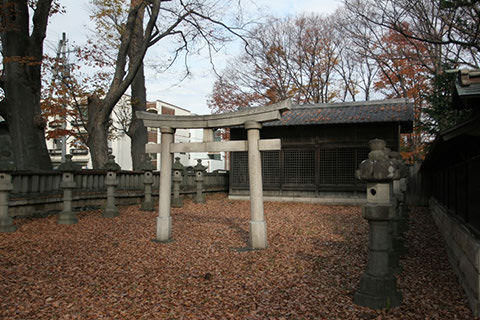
x: 110, y: 212
x: 200, y: 199
x: 147, y: 206
x: 67, y: 218
x: 7, y: 226
x: 177, y: 203
x: 377, y: 292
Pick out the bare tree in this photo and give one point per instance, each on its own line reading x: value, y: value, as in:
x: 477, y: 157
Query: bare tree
x: 22, y: 35
x: 290, y: 57
x: 190, y: 24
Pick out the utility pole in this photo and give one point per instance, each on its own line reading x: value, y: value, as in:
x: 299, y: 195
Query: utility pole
x: 61, y: 75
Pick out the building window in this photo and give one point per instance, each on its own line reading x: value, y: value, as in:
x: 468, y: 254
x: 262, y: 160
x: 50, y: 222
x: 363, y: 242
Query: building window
x: 214, y: 156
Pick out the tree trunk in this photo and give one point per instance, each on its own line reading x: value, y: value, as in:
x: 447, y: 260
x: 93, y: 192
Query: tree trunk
x: 25, y: 123
x: 137, y: 131
x: 22, y: 57
x: 97, y: 127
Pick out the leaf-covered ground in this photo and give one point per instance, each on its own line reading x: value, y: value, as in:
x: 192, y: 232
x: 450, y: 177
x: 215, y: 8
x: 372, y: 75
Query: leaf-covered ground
x: 105, y: 268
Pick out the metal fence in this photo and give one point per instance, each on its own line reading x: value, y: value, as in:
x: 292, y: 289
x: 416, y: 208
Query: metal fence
x: 306, y: 169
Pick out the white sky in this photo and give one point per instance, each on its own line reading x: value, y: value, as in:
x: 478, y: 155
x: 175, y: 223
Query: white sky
x: 192, y: 93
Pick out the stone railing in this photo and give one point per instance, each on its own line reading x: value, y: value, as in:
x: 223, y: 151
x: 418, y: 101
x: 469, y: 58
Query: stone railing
x: 37, y: 193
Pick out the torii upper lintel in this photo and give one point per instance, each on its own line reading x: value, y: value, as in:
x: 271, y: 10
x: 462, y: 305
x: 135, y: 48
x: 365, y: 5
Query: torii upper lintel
x: 223, y: 120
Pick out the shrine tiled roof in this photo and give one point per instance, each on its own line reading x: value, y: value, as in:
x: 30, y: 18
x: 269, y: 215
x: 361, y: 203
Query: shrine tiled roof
x: 392, y: 110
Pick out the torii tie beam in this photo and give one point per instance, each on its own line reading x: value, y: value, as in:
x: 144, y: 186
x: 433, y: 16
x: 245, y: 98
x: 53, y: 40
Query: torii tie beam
x: 252, y: 120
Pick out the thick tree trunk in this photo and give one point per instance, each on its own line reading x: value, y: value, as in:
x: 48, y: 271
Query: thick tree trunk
x: 22, y: 56
x: 97, y: 127
x: 137, y: 131
x: 25, y: 123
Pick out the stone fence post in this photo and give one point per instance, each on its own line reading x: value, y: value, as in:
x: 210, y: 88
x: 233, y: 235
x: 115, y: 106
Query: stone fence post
x: 378, y: 287
x: 177, y: 170
x: 111, y: 181
x: 67, y: 216
x: 6, y: 222
x: 147, y: 167
x: 199, y: 171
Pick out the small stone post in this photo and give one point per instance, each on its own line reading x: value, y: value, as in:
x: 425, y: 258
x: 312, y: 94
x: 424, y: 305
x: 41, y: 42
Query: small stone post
x: 67, y: 216
x: 147, y: 167
x: 378, y: 287
x: 6, y: 222
x: 111, y: 181
x: 199, y: 171
x: 258, y: 226
x: 177, y: 168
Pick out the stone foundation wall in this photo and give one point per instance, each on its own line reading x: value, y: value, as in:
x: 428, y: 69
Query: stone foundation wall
x: 38, y: 194
x: 463, y: 249
x: 327, y: 198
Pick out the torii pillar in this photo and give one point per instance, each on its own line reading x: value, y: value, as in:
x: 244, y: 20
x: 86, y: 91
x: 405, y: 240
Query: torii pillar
x: 258, y: 226
x: 164, y: 220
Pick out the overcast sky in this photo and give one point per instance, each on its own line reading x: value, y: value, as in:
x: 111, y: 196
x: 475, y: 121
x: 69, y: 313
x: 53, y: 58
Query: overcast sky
x: 192, y: 93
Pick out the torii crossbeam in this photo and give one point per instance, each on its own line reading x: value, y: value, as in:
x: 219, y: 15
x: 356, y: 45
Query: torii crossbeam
x: 252, y: 120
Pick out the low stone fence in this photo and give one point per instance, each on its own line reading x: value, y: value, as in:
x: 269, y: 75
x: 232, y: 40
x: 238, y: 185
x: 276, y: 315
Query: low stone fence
x: 463, y: 249
x: 37, y: 193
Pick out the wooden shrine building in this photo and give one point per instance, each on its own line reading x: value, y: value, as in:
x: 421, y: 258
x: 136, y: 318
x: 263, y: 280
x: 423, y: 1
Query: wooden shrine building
x: 321, y: 147
x: 450, y: 177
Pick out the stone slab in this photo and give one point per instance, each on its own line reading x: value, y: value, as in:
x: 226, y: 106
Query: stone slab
x: 227, y: 146
x: 259, y: 114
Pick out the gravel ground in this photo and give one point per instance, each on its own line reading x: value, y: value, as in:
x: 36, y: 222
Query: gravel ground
x: 110, y: 269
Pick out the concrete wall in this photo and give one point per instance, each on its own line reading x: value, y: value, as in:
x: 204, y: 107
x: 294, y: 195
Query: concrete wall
x: 463, y: 249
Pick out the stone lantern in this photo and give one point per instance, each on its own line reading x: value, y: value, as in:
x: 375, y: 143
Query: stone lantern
x: 147, y: 168
x: 177, y: 170
x: 111, y: 181
x: 199, y: 172
x: 67, y: 216
x: 6, y: 222
x: 400, y: 223
x: 378, y: 287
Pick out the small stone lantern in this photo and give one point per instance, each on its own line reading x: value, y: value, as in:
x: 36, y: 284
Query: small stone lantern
x: 6, y: 222
x: 400, y: 224
x: 404, y: 209
x: 177, y: 170
x: 67, y: 216
x: 111, y: 181
x: 378, y: 286
x: 199, y: 171
x: 147, y: 168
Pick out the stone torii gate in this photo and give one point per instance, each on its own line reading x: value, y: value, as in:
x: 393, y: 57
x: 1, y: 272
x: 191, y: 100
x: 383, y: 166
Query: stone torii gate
x: 252, y: 120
